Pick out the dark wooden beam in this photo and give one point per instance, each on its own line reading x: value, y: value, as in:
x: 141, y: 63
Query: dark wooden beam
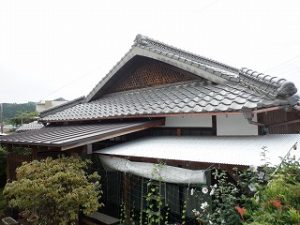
x: 284, y: 123
x: 269, y: 109
x: 161, y: 116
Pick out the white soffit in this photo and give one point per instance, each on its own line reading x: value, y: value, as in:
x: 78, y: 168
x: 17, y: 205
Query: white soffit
x: 245, y: 150
x: 189, y: 121
x: 235, y: 125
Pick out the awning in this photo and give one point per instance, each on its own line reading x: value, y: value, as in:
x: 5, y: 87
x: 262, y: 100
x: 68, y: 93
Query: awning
x: 71, y: 136
x: 244, y: 151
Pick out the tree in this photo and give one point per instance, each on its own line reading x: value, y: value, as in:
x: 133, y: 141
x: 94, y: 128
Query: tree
x: 55, y: 190
x: 11, y: 110
x: 24, y: 117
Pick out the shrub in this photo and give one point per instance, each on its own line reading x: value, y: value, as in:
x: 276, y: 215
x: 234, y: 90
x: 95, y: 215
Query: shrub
x: 270, y: 195
x: 56, y: 190
x: 279, y: 201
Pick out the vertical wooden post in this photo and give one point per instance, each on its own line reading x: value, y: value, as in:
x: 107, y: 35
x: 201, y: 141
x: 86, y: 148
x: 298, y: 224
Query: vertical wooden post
x: 178, y: 132
x: 214, y: 125
x: 34, y: 152
x: 8, y: 162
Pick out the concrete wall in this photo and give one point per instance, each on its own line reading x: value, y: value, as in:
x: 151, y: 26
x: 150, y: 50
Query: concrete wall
x: 228, y: 125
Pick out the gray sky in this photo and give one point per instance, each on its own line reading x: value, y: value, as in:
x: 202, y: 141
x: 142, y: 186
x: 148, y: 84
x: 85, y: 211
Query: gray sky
x: 62, y: 48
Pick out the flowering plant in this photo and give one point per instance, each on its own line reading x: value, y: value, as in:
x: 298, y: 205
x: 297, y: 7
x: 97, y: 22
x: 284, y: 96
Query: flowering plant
x: 268, y: 195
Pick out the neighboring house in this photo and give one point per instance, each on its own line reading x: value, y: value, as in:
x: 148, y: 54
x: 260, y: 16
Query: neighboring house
x: 163, y: 104
x: 46, y: 104
x: 8, y: 128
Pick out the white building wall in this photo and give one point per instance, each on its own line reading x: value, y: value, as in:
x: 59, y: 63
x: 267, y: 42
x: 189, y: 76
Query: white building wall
x: 47, y: 104
x: 229, y: 125
x: 189, y: 121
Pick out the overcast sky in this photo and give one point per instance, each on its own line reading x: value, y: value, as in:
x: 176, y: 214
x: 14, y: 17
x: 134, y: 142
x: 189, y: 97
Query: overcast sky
x: 62, y: 48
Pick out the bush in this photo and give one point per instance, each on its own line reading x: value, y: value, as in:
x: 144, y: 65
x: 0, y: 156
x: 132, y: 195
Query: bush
x: 279, y: 201
x: 270, y: 195
x: 56, y: 190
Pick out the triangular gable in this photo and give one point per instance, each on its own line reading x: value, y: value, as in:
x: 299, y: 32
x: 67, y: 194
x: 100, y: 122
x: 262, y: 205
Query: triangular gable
x: 213, y: 71
x: 142, y: 72
x: 199, y: 66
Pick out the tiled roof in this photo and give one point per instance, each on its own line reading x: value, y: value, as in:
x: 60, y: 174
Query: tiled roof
x: 30, y: 126
x: 225, y: 89
x: 75, y: 135
x: 187, y: 97
x: 203, y: 67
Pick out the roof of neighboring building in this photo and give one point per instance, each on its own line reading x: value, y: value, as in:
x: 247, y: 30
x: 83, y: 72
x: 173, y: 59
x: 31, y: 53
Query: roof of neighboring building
x: 187, y: 97
x: 242, y: 150
x: 70, y: 136
x: 35, y: 125
x: 225, y: 89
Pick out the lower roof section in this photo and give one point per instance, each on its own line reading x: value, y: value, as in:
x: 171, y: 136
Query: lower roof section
x: 244, y: 151
x: 71, y: 136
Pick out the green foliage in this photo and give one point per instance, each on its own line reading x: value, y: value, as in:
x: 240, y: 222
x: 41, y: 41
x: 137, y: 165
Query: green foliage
x: 2, y: 201
x: 224, y: 200
x: 123, y: 216
x: 183, y: 213
x: 154, y: 203
x: 156, y: 211
x: 20, y: 150
x: 24, y: 117
x: 259, y: 197
x: 278, y: 202
x: 11, y: 110
x: 57, y: 190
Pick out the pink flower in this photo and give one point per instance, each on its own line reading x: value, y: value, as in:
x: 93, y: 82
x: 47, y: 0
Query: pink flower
x: 276, y: 203
x: 241, y: 211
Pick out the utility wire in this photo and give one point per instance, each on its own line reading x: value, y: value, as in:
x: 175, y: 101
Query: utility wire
x: 282, y: 63
x: 73, y: 81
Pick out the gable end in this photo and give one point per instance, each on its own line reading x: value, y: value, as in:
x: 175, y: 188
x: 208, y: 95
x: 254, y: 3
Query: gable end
x: 143, y: 72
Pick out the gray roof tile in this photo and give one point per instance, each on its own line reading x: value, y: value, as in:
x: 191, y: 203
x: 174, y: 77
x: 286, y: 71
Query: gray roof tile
x: 187, y: 97
x: 262, y: 84
x: 64, y: 136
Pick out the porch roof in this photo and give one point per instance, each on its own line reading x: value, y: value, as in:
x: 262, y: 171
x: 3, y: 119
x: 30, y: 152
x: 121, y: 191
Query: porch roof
x: 71, y: 136
x: 244, y: 151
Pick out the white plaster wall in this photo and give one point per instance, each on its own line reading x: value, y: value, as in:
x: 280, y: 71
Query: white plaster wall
x: 232, y: 125
x: 189, y: 121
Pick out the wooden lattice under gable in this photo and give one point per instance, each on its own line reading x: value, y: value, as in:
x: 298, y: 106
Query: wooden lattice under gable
x: 144, y: 72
